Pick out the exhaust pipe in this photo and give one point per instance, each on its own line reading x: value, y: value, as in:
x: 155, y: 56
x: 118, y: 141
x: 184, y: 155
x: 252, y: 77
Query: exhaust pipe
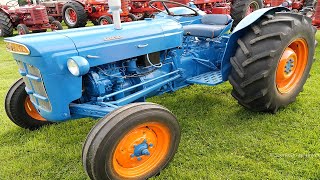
x: 115, y: 9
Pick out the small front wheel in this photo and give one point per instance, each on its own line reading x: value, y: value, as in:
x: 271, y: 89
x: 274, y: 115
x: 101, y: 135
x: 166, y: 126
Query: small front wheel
x: 22, y: 29
x: 56, y: 25
x: 135, y: 141
x: 105, y: 20
x: 20, y: 109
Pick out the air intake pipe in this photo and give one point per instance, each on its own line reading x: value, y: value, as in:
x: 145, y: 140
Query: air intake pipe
x: 115, y: 9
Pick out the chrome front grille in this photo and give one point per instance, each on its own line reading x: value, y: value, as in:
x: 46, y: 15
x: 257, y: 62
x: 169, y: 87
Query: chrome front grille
x: 34, y: 85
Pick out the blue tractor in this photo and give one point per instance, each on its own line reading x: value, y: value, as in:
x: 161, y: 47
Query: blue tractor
x: 107, y: 72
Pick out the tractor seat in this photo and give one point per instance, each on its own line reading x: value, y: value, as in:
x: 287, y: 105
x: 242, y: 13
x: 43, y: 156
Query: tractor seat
x: 212, y: 25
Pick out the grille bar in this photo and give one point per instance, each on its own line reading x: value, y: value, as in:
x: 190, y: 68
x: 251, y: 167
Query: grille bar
x: 34, y: 85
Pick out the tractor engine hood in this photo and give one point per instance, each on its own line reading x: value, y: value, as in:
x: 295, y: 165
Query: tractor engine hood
x: 104, y: 44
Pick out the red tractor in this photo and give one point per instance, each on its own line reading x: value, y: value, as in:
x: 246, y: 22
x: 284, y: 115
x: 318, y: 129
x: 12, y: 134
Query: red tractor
x: 76, y: 13
x: 31, y: 17
x: 309, y: 8
x: 141, y: 8
x: 54, y: 10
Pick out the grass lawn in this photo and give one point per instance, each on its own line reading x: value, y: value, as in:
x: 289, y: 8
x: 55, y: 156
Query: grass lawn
x: 220, y: 139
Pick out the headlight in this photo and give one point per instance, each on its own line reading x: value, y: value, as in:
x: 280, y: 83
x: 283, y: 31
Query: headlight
x: 78, y: 65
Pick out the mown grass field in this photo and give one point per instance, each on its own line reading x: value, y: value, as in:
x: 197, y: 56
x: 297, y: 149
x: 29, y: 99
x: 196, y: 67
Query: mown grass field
x: 220, y: 139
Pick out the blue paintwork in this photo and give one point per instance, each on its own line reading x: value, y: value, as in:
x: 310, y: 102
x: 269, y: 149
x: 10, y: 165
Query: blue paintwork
x: 118, y: 74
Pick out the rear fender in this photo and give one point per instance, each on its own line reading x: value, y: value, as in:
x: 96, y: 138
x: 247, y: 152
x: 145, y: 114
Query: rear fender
x: 238, y: 32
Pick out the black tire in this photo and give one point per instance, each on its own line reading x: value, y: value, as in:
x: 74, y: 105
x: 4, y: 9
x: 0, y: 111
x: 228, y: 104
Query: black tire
x: 80, y: 13
x: 132, y: 17
x: 239, y: 9
x: 15, y: 107
x: 6, y: 27
x: 95, y: 22
x: 22, y: 29
x: 56, y: 25
x: 254, y: 66
x: 99, y: 148
x: 105, y: 20
x: 51, y: 19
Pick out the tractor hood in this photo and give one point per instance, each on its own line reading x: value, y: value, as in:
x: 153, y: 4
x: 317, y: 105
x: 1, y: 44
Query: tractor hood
x: 104, y: 44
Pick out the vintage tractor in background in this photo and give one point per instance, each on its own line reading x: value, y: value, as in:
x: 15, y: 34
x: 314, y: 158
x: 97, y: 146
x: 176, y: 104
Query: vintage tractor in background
x: 141, y: 9
x: 76, y: 13
x: 54, y: 9
x: 31, y: 17
x: 108, y: 72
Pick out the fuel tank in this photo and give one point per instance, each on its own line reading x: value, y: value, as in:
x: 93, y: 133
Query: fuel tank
x: 105, y: 44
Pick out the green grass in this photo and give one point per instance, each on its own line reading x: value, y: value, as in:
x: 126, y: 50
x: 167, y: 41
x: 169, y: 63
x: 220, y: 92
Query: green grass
x: 220, y: 139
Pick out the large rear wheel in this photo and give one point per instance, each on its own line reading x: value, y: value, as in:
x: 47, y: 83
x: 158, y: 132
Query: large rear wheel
x: 135, y: 141
x: 273, y: 61
x: 241, y: 8
x: 20, y: 109
x: 6, y: 27
x: 74, y: 14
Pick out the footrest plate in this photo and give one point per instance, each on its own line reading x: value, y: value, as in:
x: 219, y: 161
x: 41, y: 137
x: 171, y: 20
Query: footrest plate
x: 209, y: 78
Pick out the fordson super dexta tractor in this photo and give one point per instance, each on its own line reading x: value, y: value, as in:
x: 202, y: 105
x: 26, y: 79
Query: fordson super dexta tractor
x: 107, y: 72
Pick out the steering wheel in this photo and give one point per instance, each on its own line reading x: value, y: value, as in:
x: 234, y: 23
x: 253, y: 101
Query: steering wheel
x: 12, y: 3
x: 163, y: 2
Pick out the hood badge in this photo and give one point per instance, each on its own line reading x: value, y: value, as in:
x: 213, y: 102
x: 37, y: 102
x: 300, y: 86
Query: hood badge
x: 112, y: 38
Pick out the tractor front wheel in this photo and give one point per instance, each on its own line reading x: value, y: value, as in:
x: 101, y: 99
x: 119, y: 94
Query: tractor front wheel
x: 242, y: 8
x: 6, y: 26
x: 22, y: 29
x: 273, y: 61
x: 74, y: 14
x: 105, y: 20
x: 135, y: 141
x: 132, y: 17
x: 56, y: 25
x: 20, y: 109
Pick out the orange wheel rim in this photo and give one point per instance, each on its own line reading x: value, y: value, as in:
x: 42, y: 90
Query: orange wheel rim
x: 292, y: 65
x: 31, y: 111
x: 151, y: 140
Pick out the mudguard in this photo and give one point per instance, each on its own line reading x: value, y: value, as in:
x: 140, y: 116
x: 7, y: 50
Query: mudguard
x: 239, y: 31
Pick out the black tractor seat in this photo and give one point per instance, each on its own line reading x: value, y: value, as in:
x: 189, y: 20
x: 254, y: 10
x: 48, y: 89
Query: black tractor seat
x: 212, y: 26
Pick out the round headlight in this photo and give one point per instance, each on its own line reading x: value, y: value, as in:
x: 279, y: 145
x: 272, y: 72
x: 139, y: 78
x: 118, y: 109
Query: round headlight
x: 78, y: 65
x: 73, y: 67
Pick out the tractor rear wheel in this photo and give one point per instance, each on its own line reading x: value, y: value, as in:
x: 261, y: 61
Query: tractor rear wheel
x: 22, y: 29
x: 105, y: 20
x: 273, y: 61
x: 241, y: 8
x: 6, y: 27
x: 74, y: 14
x: 20, y: 109
x: 56, y: 25
x: 135, y: 141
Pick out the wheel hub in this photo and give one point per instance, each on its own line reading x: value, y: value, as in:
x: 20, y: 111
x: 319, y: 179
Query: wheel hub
x: 289, y: 66
x: 141, y: 150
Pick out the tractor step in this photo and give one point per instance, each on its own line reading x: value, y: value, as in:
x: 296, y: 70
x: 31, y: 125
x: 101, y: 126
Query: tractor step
x: 209, y: 78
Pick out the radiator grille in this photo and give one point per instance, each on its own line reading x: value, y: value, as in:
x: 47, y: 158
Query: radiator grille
x: 34, y: 85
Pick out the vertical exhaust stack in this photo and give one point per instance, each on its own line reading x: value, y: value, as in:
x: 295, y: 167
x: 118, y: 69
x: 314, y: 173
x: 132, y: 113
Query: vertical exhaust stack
x: 115, y: 8
x: 34, y: 2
